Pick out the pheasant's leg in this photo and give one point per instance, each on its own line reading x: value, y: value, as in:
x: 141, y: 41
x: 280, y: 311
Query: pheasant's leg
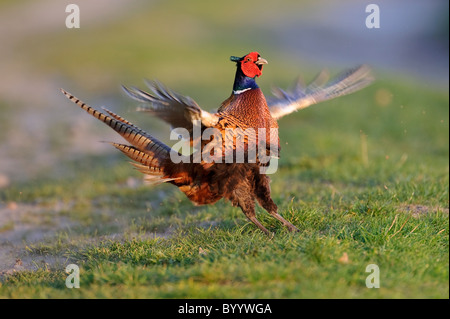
x: 291, y: 227
x: 252, y: 218
x: 247, y: 203
x: 264, y: 199
x: 249, y: 210
x: 274, y: 212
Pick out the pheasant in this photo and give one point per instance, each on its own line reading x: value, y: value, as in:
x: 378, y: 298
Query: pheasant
x: 246, y: 111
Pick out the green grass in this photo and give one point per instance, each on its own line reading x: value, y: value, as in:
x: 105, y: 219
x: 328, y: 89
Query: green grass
x: 364, y: 178
x: 366, y: 209
x: 239, y: 262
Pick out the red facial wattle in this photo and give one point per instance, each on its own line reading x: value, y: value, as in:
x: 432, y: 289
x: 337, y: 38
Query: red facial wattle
x: 250, y: 66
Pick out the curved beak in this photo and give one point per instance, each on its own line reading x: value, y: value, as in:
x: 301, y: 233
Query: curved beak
x: 261, y: 61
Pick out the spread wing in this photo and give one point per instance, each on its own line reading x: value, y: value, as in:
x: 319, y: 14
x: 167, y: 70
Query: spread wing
x: 174, y: 108
x: 318, y: 90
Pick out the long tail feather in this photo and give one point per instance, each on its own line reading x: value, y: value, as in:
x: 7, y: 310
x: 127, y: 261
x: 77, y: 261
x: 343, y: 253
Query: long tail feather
x: 138, y: 156
x: 153, y: 176
x: 134, y: 135
x: 147, y: 151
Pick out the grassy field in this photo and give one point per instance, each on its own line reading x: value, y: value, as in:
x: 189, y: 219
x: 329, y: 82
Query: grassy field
x: 364, y: 177
x: 387, y: 207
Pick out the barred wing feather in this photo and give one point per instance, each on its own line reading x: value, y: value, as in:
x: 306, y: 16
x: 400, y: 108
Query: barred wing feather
x: 318, y: 90
x: 174, y: 108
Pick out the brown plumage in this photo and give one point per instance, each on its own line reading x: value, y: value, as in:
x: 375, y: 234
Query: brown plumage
x: 206, y: 182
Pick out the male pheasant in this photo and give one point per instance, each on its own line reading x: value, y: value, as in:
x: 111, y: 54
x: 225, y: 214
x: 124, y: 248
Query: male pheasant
x: 246, y: 112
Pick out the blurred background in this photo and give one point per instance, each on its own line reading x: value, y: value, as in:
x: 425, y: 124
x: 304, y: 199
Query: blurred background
x: 186, y: 45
